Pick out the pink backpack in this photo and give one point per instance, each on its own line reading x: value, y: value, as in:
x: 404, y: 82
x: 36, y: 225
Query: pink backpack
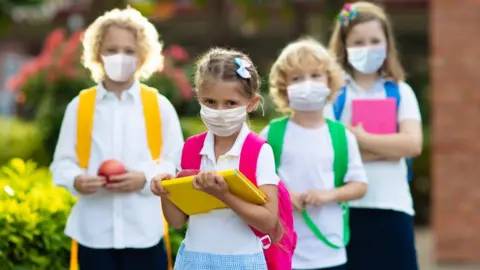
x: 278, y: 256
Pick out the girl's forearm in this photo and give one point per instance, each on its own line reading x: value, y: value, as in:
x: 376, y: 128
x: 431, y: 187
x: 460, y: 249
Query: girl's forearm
x: 255, y: 215
x: 368, y: 156
x: 393, y: 146
x: 350, y: 191
x: 174, y: 216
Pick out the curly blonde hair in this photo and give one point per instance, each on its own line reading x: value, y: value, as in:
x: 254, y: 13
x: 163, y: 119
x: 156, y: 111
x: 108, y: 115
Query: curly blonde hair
x: 391, y: 68
x: 297, y: 56
x: 147, y: 37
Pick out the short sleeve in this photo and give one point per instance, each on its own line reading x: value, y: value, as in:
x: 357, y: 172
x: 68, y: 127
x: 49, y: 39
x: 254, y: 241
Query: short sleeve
x: 266, y: 174
x: 409, y: 109
x: 328, y: 111
x: 356, y: 171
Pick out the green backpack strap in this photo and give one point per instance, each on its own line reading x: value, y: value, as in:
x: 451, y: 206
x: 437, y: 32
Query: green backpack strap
x: 340, y: 167
x: 276, y: 135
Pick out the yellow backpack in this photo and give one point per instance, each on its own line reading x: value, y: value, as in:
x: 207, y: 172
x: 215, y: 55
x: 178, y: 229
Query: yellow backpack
x: 86, y: 109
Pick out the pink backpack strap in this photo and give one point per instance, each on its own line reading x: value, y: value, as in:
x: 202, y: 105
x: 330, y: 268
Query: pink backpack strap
x: 191, y: 158
x: 248, y: 166
x: 249, y: 156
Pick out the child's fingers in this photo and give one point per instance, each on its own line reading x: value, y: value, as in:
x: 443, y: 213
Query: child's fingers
x: 158, y: 185
x: 219, y: 180
x: 196, y: 183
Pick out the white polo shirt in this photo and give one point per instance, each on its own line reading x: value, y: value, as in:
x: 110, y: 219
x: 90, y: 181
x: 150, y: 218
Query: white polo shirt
x: 307, y: 164
x: 108, y: 219
x: 222, y: 231
x: 388, y: 186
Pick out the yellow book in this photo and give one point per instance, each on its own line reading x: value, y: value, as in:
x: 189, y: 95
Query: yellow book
x: 192, y: 201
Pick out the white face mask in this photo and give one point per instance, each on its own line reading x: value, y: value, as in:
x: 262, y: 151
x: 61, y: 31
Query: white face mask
x: 223, y: 123
x: 308, y: 95
x: 119, y: 67
x: 368, y: 59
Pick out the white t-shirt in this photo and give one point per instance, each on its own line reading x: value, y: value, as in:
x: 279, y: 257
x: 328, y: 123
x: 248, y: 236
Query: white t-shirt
x: 223, y: 231
x: 388, y: 186
x: 306, y: 164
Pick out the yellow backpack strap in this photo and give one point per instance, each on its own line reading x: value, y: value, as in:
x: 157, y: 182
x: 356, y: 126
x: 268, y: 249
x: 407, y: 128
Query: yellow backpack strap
x: 86, y: 108
x: 153, y: 124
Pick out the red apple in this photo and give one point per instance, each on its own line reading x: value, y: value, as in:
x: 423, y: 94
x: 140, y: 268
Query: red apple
x: 185, y: 173
x: 110, y: 168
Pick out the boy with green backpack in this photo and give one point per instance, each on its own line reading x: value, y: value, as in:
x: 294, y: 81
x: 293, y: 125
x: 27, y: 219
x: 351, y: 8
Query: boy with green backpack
x: 318, y: 159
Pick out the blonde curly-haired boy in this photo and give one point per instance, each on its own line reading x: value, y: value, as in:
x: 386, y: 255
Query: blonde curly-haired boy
x: 117, y: 223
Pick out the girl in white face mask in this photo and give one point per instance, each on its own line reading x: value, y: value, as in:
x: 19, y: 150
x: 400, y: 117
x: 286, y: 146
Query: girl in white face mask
x: 303, y: 80
x: 227, y: 86
x: 363, y: 43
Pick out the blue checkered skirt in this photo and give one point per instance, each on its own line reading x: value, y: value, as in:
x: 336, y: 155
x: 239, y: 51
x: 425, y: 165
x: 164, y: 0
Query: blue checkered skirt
x: 191, y: 260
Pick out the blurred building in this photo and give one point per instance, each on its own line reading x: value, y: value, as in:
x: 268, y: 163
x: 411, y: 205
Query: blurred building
x: 455, y: 98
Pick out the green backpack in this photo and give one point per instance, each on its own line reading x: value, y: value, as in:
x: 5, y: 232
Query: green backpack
x: 276, y: 135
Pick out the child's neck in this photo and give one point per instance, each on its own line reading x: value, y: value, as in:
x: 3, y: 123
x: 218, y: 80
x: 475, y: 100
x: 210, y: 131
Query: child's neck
x: 365, y: 81
x: 223, y: 144
x: 310, y: 119
x: 117, y: 87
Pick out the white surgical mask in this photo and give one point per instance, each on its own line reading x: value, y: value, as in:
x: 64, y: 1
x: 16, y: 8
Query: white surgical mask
x: 308, y: 95
x: 119, y: 67
x: 223, y: 123
x: 368, y: 59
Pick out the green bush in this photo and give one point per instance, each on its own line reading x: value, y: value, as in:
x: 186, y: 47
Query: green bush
x: 21, y: 139
x: 33, y: 213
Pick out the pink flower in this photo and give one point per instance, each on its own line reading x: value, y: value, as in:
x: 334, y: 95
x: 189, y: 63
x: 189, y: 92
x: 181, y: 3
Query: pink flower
x: 71, y: 48
x: 55, y: 38
x: 181, y: 80
x: 177, y: 53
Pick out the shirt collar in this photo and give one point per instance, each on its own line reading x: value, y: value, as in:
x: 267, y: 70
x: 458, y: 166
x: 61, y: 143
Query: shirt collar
x: 209, y: 149
x: 378, y: 86
x: 131, y: 93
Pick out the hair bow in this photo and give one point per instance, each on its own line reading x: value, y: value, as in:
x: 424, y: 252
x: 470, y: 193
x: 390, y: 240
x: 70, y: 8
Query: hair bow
x: 242, y: 68
x: 348, y: 13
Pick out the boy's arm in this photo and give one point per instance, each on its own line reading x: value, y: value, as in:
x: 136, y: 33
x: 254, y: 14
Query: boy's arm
x: 172, y: 140
x: 65, y: 166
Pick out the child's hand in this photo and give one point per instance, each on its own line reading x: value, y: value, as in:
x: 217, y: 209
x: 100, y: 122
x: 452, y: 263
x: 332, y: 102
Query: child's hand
x: 319, y: 197
x: 210, y: 182
x: 127, y: 182
x: 156, y: 185
x: 85, y: 184
x: 298, y: 200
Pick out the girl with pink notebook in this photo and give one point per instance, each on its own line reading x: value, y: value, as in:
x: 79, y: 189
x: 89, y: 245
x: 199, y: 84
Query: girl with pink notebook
x: 382, y: 111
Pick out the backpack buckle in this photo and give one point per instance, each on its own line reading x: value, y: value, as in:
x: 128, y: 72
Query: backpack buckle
x: 266, y: 241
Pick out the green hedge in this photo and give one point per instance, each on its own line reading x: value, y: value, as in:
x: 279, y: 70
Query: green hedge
x: 32, y: 217
x: 21, y: 139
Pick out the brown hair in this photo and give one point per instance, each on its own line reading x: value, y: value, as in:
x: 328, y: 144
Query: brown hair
x: 366, y: 12
x: 218, y: 64
x: 296, y: 56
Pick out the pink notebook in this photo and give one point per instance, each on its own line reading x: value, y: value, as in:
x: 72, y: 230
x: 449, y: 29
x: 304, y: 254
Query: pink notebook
x: 378, y: 116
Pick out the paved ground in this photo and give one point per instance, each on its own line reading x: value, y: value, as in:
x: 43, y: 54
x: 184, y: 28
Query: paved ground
x: 425, y: 254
